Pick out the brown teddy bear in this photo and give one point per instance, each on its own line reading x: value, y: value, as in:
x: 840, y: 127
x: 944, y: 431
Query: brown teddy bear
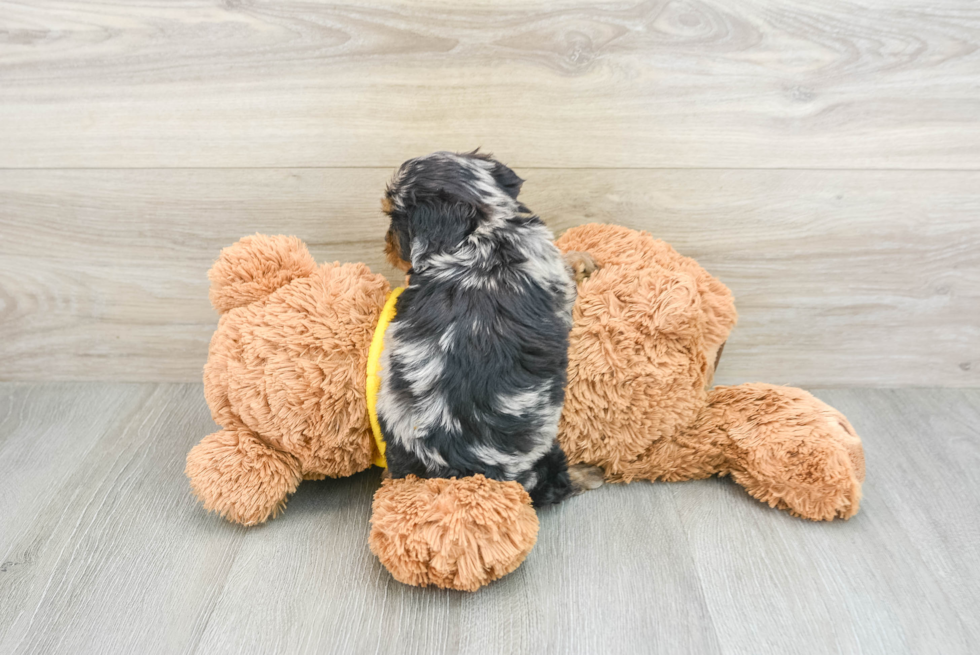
x: 287, y: 371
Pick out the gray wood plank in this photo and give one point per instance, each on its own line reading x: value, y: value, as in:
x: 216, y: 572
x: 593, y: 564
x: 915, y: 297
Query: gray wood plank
x: 841, y: 277
x: 932, y: 487
x: 45, y: 434
x: 598, y: 580
x: 122, y: 559
x: 613, y: 572
x: 137, y: 83
x: 883, y: 582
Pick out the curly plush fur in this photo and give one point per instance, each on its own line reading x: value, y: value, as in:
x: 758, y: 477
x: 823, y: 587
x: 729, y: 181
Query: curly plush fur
x: 456, y: 534
x: 286, y: 381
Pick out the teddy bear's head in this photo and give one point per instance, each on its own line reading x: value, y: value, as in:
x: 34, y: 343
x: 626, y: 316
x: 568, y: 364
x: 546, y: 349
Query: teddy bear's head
x: 288, y: 360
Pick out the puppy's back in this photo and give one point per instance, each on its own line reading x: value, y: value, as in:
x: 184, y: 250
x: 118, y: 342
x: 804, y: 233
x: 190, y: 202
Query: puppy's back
x: 476, y: 361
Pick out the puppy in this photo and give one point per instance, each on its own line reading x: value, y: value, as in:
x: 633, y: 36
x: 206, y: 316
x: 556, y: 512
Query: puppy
x: 474, y: 362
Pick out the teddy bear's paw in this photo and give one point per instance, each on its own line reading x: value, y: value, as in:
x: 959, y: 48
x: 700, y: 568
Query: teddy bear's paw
x: 455, y: 534
x: 240, y: 478
x: 583, y: 265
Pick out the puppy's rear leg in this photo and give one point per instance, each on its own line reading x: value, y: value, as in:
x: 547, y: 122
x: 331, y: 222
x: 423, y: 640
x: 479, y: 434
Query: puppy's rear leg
x: 548, y: 482
x: 552, y: 480
x: 585, y: 477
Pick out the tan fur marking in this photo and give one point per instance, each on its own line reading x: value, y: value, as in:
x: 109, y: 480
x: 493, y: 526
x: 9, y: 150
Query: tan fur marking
x: 393, y: 252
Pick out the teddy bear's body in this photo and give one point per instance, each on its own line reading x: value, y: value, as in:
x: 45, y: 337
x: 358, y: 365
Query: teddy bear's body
x: 286, y: 377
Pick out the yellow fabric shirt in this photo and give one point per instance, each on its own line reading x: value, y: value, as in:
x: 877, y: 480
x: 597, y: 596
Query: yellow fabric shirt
x: 374, y: 374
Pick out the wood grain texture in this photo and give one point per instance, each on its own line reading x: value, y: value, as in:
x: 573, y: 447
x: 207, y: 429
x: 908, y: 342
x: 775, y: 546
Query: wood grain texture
x: 111, y: 553
x: 841, y: 277
x: 903, y: 568
x: 35, y: 424
x: 116, y: 560
x: 657, y: 83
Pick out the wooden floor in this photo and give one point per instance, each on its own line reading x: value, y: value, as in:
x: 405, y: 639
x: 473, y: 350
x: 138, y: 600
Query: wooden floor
x: 104, y: 550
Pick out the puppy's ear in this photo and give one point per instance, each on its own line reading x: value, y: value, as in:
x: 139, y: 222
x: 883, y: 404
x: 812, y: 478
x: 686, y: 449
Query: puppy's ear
x: 506, y: 179
x: 440, y: 226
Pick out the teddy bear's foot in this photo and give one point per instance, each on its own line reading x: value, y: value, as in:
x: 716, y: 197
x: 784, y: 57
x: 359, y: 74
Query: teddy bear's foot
x: 455, y: 534
x: 791, y: 450
x: 241, y: 478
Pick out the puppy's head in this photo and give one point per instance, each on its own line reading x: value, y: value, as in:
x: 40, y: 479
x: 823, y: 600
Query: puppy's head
x: 436, y: 201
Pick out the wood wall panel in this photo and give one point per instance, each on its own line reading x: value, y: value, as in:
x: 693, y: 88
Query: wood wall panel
x: 706, y: 83
x: 841, y: 277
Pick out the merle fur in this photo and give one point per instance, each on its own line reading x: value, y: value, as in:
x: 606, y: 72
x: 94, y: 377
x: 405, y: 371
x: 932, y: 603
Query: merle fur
x: 475, y: 360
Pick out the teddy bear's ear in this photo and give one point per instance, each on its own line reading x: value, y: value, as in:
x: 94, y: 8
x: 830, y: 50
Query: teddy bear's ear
x: 255, y: 267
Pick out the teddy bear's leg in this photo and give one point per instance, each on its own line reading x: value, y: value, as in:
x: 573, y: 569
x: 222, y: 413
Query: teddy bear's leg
x: 788, y: 449
x: 455, y: 534
x: 237, y: 475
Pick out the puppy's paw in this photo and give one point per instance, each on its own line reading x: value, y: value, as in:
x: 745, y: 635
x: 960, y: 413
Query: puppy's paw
x: 585, y: 477
x: 582, y: 264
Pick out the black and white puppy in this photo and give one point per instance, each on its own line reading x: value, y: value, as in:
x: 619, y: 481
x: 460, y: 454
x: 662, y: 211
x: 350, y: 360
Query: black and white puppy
x: 474, y: 363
